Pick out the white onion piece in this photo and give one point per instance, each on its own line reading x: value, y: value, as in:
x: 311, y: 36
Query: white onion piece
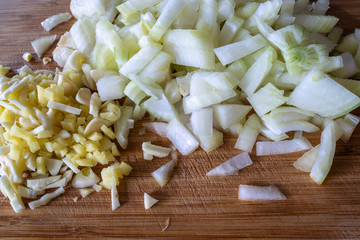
x: 55, y: 20
x: 156, y: 127
x: 306, y: 161
x: 181, y: 137
x: 255, y: 193
x: 282, y: 147
x: 149, y: 201
x: 163, y: 174
x: 326, y: 153
x: 231, y: 166
x: 41, y: 45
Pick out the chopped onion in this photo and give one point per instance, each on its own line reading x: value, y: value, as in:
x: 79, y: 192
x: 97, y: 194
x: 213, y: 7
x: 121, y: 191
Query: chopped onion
x: 55, y: 20
x: 41, y: 45
x: 231, y: 166
x: 282, y: 147
x: 257, y: 193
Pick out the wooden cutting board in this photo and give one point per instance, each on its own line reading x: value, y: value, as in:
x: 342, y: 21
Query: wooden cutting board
x: 198, y: 207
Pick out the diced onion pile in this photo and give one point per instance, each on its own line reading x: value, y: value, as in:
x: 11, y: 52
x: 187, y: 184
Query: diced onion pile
x: 201, y: 67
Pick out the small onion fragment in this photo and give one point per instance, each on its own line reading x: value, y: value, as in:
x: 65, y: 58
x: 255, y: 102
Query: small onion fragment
x: 55, y: 20
x: 231, y: 166
x: 256, y: 193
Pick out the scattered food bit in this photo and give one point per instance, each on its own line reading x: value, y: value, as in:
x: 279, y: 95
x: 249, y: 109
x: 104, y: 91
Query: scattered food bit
x: 42, y: 44
x: 149, y: 201
x: 232, y: 166
x: 75, y: 199
x: 27, y: 57
x: 55, y: 20
x: 167, y: 224
x: 46, y: 60
x: 84, y: 192
x: 257, y: 193
x: 163, y: 174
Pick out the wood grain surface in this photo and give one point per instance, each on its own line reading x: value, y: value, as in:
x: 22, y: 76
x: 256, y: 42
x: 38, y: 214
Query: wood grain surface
x: 198, y: 207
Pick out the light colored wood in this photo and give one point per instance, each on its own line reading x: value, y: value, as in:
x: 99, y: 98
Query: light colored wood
x: 199, y: 207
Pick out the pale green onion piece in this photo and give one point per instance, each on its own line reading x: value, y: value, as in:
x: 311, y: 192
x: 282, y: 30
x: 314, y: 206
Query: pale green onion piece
x: 225, y: 10
x: 238, y: 68
x: 229, y: 30
x: 306, y: 161
x: 248, y: 134
x: 111, y: 87
x: 247, y: 10
x: 283, y: 114
x: 317, y: 23
x: 267, y: 12
x: 305, y: 58
x: 333, y: 64
x: 133, y: 92
x: 158, y: 69
x: 188, y: 16
x: 83, y: 34
x: 321, y: 39
x: 349, y: 68
x: 42, y: 44
x: 260, y: 193
x: 190, y: 48
x: 232, y: 166
x: 289, y: 37
x: 121, y: 127
x: 349, y: 43
x: 282, y: 147
x: 132, y: 6
x: 287, y: 7
x: 155, y: 150
x: 351, y: 85
x: 293, y: 125
x: 232, y: 52
x: 151, y: 89
x: 335, y: 34
x: 284, y: 20
x: 207, y: 19
x: 88, y: 8
x: 181, y: 137
x: 348, y: 125
x: 161, y: 109
x: 137, y: 62
x: 230, y: 114
x: 267, y: 99
x: 319, y: 7
x: 55, y: 20
x: 166, y: 18
x: 257, y: 72
x: 210, y: 143
x: 46, y: 198
x: 335, y: 99
x: 193, y: 103
x: 324, y: 160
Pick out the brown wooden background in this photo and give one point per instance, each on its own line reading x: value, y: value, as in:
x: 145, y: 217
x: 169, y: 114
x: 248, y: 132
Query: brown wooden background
x: 199, y: 207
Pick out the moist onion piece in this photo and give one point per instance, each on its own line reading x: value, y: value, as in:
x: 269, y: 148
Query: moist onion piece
x: 258, y: 193
x: 231, y: 166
